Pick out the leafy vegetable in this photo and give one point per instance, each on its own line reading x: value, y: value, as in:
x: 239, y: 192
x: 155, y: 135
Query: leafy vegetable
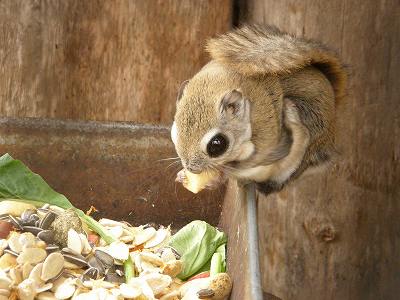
x: 129, y: 270
x: 222, y: 251
x: 216, y: 264
x: 196, y: 242
x: 18, y: 182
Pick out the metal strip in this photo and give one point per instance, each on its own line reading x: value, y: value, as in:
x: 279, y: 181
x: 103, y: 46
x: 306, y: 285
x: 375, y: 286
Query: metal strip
x: 253, y: 252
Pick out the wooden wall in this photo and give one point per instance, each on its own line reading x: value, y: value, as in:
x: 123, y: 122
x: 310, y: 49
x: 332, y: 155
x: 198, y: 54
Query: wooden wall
x: 332, y: 236
x: 337, y: 235
x: 102, y: 60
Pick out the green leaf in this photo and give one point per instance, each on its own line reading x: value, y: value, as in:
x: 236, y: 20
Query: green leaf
x: 196, y: 242
x: 18, y: 182
x: 207, y: 267
x: 216, y: 264
x: 129, y: 270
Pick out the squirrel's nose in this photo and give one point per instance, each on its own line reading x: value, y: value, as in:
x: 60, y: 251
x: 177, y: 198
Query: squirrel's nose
x: 194, y: 170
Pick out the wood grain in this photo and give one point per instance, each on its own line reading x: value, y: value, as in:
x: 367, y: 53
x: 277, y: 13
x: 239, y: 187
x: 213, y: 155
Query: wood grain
x: 336, y: 235
x: 102, y: 60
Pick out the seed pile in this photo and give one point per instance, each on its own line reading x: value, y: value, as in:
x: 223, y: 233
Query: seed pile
x: 47, y: 253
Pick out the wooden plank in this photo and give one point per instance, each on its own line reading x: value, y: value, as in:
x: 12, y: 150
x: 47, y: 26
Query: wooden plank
x: 336, y: 235
x: 102, y: 60
x: 234, y: 222
x: 115, y: 167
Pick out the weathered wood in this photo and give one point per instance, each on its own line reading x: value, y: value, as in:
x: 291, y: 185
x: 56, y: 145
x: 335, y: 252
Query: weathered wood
x: 102, y: 60
x: 115, y: 167
x: 337, y: 235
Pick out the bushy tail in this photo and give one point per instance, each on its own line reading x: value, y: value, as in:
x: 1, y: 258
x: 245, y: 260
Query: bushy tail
x: 253, y: 50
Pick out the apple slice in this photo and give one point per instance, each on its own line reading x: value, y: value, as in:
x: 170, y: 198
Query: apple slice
x: 197, y: 182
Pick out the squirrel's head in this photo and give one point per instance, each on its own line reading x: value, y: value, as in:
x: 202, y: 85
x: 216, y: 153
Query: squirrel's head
x: 212, y: 123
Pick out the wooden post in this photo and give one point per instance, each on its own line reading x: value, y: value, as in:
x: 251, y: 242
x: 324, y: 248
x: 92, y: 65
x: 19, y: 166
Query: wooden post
x: 337, y: 235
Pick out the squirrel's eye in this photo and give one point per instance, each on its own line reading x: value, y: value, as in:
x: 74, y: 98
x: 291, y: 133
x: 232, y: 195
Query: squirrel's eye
x: 217, y: 145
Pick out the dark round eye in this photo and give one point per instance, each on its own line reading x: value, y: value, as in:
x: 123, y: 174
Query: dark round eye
x: 217, y: 145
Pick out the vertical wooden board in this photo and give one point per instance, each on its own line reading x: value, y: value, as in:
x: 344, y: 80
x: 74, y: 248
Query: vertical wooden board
x: 234, y: 222
x: 336, y: 235
x: 102, y: 60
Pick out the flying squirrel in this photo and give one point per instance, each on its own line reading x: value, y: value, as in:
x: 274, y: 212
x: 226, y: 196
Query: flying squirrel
x: 262, y: 110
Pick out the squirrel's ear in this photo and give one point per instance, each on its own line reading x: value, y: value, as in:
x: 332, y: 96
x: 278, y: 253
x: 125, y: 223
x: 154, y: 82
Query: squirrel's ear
x: 181, y: 90
x: 234, y: 105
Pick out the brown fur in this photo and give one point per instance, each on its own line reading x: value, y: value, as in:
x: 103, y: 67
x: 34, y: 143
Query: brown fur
x: 257, y: 49
x: 293, y: 86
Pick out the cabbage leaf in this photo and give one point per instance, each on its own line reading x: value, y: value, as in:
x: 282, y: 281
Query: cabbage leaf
x: 196, y: 243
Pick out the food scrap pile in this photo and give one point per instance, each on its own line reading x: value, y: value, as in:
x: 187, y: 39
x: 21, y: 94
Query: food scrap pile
x: 52, y: 250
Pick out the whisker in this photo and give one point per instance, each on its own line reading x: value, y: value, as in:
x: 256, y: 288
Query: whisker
x: 168, y: 158
x: 174, y: 170
x: 172, y: 165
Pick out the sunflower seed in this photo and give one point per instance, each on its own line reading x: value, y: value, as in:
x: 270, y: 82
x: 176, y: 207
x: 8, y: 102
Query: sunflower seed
x: 31, y: 221
x: 119, y: 272
x: 91, y: 273
x: 51, y: 248
x: 75, y: 260
x: 56, y: 209
x: 26, y: 215
x: 47, y: 220
x: 205, y: 293
x: 43, y: 210
x: 46, y: 236
x: 32, y: 229
x: 95, y: 263
x: 114, y: 278
x: 16, y: 222
x: 105, y: 258
x: 72, y: 252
